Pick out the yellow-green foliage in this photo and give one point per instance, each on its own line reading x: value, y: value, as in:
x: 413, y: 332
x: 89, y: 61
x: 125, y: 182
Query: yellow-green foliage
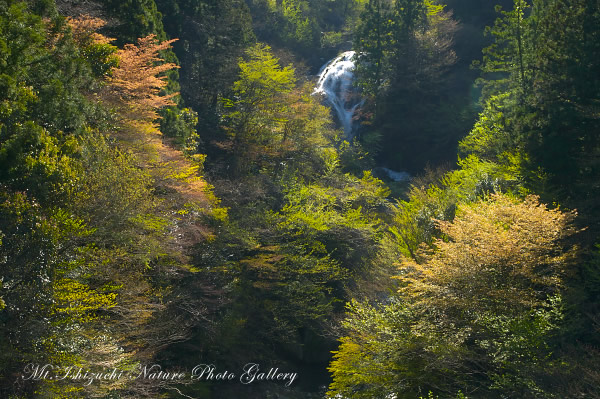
x: 262, y: 79
x: 79, y: 302
x: 436, y: 197
x: 433, y: 8
x: 321, y: 208
x: 491, y: 137
x: 256, y: 115
x: 475, y: 312
x: 82, y: 227
x: 272, y: 124
x: 505, y: 253
x: 300, y: 27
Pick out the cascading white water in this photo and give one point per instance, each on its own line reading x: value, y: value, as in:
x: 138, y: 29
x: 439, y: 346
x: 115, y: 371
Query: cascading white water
x: 336, y: 80
x: 336, y: 84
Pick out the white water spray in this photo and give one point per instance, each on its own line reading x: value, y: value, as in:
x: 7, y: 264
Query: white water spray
x: 336, y: 84
x: 336, y: 80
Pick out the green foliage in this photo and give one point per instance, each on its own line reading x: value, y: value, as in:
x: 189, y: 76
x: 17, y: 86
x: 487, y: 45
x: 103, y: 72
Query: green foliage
x: 491, y: 137
x: 274, y: 126
x: 299, y: 29
x: 85, y: 247
x: 257, y: 107
x: 99, y: 198
x: 331, y: 39
x: 393, y: 37
x: 101, y: 58
x: 354, y: 157
x: 105, y: 255
x: 212, y: 36
x: 328, y: 219
x: 42, y: 57
x: 44, y: 112
x: 404, y: 58
x: 139, y: 18
x: 32, y: 246
x: 507, y: 59
x: 180, y: 124
x: 22, y: 34
x: 436, y: 197
x: 535, y: 65
x: 297, y: 246
x: 262, y: 78
x: 561, y: 122
x: 372, y: 42
x: 314, y: 30
x: 475, y: 314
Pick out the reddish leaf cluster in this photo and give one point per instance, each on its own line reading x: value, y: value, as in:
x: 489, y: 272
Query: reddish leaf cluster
x: 135, y: 85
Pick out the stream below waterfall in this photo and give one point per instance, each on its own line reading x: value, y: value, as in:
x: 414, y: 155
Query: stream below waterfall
x: 336, y: 84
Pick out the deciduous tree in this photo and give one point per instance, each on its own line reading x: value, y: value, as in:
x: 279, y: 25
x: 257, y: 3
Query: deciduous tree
x: 134, y: 87
x: 476, y: 313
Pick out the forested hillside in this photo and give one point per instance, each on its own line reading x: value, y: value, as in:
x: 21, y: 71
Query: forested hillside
x: 183, y: 216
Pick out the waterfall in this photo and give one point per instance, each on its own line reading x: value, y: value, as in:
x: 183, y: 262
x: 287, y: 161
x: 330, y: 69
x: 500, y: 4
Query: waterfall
x: 335, y: 83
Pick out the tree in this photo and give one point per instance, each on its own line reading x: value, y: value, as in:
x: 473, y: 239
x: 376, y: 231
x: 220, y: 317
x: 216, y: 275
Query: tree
x: 475, y: 314
x: 508, y: 59
x: 543, y: 63
x: 410, y: 20
x: 258, y: 104
x: 404, y: 53
x: 213, y: 35
x: 299, y: 29
x: 372, y: 47
x: 290, y: 269
x: 398, y: 42
x: 95, y: 47
x: 561, y: 123
x: 134, y: 87
x: 86, y: 254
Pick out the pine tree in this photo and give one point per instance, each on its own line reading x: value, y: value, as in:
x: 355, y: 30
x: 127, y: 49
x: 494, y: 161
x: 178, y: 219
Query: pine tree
x: 372, y: 44
x: 508, y: 59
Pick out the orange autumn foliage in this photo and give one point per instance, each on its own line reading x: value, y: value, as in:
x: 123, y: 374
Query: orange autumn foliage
x: 135, y: 85
x: 84, y: 29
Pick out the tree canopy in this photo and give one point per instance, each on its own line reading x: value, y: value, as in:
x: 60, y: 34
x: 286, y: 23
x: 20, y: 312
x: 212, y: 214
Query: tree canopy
x: 173, y: 195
